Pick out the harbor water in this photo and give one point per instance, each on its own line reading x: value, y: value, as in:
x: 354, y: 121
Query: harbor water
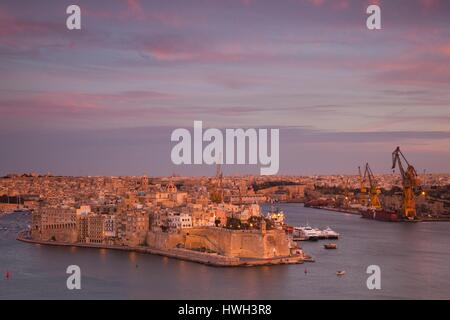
x: 414, y: 259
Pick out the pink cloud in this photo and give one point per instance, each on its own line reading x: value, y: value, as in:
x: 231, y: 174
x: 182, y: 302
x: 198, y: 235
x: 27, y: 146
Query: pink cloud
x: 205, y: 56
x: 335, y: 4
x: 51, y: 102
x: 415, y: 72
x: 317, y: 3
x: 21, y: 36
x: 446, y: 50
x: 341, y: 4
x: 11, y: 26
x: 182, y: 50
x: 430, y: 4
x: 377, y: 2
x: 134, y: 11
x: 247, y: 3
x: 135, y: 7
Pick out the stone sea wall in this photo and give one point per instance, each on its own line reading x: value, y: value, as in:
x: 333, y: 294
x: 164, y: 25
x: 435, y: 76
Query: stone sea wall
x: 230, y: 243
x: 178, y: 253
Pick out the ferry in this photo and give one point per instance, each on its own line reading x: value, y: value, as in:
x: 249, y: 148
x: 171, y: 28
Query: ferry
x: 306, y: 233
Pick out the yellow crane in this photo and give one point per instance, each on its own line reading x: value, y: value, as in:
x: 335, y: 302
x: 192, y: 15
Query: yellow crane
x: 409, y: 182
x: 363, y: 189
x: 374, y: 191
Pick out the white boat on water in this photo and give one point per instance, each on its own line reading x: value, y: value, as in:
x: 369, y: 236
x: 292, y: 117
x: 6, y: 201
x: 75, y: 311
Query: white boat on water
x: 309, y: 233
x: 328, y: 233
x: 306, y: 233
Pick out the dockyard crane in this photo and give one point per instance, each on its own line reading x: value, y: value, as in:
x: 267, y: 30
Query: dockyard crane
x: 374, y: 191
x: 363, y: 189
x: 409, y: 182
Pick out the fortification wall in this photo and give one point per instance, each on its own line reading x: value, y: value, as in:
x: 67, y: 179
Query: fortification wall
x: 231, y: 243
x: 163, y: 240
x: 68, y: 235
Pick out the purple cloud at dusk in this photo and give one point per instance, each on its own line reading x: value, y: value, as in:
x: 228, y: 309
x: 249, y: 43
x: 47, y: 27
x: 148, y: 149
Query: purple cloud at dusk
x: 104, y: 99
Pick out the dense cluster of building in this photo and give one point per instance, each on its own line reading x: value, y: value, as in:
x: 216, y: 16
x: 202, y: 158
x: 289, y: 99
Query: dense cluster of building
x: 122, y: 210
x: 126, y: 220
x: 217, y: 215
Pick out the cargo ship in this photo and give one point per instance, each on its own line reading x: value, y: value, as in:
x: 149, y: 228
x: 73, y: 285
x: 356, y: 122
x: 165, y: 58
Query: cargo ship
x: 380, y: 215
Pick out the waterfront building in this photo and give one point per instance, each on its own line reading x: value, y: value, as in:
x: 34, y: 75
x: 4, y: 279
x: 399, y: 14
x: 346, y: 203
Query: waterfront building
x: 95, y: 231
x: 55, y: 224
x: 109, y: 226
x: 82, y: 228
x: 82, y: 222
x: 133, y: 226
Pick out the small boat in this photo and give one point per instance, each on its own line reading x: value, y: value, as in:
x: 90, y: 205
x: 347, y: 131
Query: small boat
x: 340, y: 273
x: 330, y: 246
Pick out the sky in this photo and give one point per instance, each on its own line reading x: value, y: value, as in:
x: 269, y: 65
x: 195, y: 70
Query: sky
x: 104, y: 100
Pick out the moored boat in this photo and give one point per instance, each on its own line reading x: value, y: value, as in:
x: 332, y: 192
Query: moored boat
x: 306, y: 233
x: 328, y: 233
x: 380, y: 215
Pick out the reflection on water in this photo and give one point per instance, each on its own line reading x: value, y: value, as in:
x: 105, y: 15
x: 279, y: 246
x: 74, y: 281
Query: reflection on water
x: 132, y: 256
x: 414, y: 261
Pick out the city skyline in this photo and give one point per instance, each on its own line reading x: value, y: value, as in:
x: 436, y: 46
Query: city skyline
x: 103, y: 100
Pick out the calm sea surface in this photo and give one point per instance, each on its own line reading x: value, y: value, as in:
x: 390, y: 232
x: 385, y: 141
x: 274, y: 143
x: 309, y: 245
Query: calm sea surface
x: 414, y: 261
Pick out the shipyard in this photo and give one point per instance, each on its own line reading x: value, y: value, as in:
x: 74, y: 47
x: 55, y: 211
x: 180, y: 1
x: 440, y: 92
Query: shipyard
x: 409, y: 200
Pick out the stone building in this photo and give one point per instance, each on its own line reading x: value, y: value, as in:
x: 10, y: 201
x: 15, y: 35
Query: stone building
x: 82, y: 222
x: 55, y: 224
x: 179, y: 221
x: 82, y: 228
x: 132, y: 228
x: 95, y: 231
x: 109, y: 226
